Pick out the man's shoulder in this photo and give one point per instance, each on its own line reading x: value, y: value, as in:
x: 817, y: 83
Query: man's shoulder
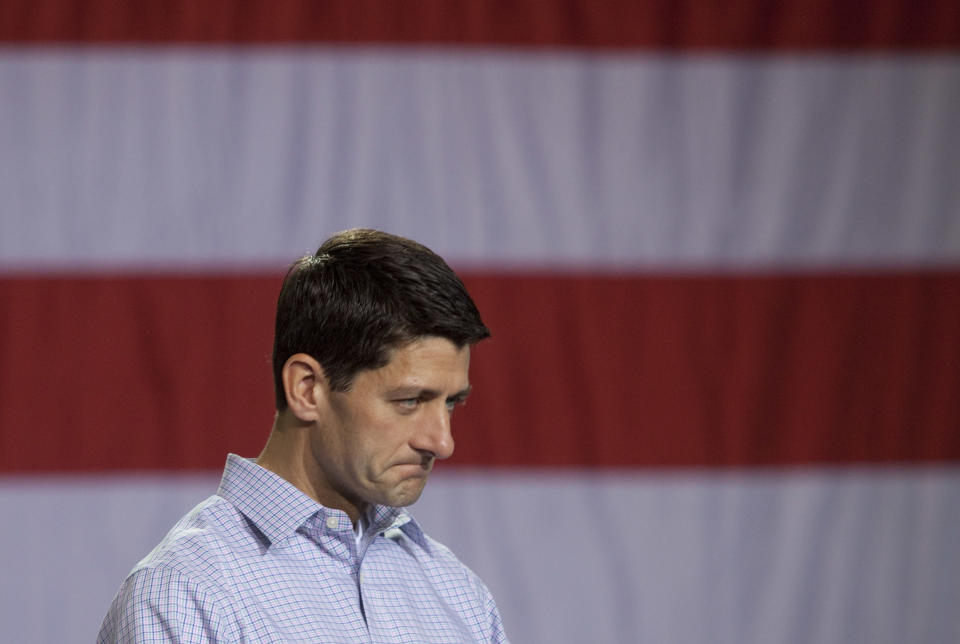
x: 208, y: 537
x: 449, y: 568
x: 455, y: 583
x: 183, y: 583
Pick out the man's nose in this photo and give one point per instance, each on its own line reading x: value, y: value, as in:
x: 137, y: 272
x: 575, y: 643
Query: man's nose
x: 434, y: 435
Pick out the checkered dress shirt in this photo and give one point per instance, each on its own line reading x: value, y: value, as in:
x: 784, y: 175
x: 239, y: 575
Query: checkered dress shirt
x: 262, y: 562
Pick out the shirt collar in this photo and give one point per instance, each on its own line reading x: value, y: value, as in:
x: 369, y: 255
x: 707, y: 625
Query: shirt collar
x: 388, y: 521
x: 270, y: 502
x: 277, y: 508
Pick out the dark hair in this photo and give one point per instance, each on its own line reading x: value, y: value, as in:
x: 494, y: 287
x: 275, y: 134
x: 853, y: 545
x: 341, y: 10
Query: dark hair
x: 363, y: 294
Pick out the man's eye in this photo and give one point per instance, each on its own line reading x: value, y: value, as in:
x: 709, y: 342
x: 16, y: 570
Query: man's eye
x: 408, y: 403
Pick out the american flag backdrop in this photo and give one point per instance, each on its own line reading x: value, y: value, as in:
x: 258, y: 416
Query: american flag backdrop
x: 717, y: 244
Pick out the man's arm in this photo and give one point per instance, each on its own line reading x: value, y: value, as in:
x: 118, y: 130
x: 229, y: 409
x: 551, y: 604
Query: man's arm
x: 497, y: 635
x: 164, y: 605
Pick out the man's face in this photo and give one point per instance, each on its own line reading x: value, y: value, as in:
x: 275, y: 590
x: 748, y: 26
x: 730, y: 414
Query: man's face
x: 377, y: 442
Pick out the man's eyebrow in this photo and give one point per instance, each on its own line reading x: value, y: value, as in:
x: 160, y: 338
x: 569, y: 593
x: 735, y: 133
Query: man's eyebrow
x: 461, y: 395
x: 417, y: 392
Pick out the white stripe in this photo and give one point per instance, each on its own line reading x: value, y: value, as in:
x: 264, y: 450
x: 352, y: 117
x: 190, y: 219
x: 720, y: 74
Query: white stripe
x: 786, y: 556
x: 224, y: 157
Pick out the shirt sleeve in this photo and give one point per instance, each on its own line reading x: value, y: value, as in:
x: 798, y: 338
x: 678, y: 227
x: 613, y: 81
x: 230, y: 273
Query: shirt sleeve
x: 163, y: 605
x: 497, y: 634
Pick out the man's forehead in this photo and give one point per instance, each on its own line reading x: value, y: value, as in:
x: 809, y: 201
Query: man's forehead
x: 426, y: 347
x: 426, y: 358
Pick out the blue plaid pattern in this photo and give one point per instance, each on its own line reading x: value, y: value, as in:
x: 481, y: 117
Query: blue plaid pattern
x: 262, y: 562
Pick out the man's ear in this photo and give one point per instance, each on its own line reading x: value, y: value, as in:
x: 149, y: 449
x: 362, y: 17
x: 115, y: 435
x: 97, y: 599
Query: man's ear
x: 305, y: 386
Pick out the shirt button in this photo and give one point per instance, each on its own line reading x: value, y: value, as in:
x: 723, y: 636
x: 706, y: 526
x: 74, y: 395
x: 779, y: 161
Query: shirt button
x: 333, y: 523
x: 361, y: 578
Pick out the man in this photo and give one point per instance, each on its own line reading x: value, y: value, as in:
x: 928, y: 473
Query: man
x: 310, y: 541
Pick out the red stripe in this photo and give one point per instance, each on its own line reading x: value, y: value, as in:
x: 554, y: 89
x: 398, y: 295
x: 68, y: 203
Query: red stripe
x: 173, y: 372
x: 660, y: 24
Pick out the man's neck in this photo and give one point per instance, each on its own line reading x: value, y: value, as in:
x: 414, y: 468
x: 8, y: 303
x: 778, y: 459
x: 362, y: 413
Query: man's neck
x: 287, y: 454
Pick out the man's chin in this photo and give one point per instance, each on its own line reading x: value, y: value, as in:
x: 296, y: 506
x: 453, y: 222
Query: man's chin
x: 407, y: 492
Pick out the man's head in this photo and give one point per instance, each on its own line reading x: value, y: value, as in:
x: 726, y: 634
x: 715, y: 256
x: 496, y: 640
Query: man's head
x: 371, y: 355
x: 363, y: 294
